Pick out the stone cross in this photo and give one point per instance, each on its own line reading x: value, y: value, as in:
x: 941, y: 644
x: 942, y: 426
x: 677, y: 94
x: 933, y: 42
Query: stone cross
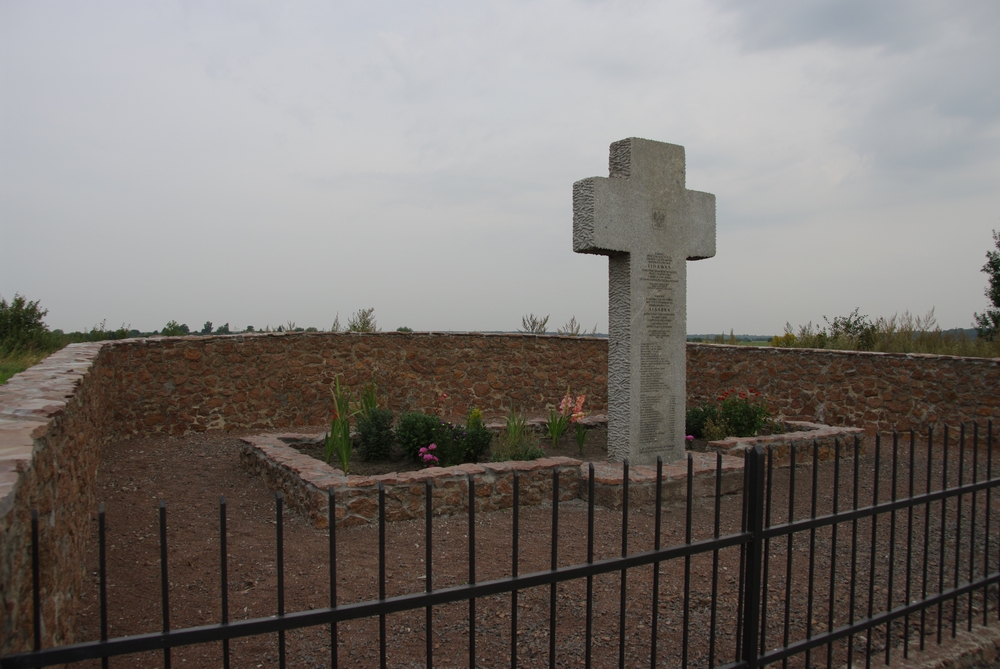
x: 648, y: 224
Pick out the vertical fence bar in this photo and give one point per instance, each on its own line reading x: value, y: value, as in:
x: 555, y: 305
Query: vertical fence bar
x: 164, y: 583
x: 332, y: 512
x: 852, y: 598
x: 767, y: 551
x: 944, y: 510
x: 740, y: 590
x: 224, y: 576
x: 621, y: 592
x: 553, y: 565
x: 102, y: 545
x: 873, y: 554
x: 279, y: 503
x: 654, y: 618
x: 755, y: 526
x: 833, y: 549
x: 382, y: 657
x: 789, y: 550
x: 472, y: 569
x: 687, y: 563
x: 713, y: 620
x: 986, y: 521
x: 958, y: 526
x: 927, y: 533
x: 812, y: 548
x: 515, y: 530
x: 590, y: 560
x: 428, y: 573
x: 909, y: 547
x: 892, y: 545
x: 972, y: 521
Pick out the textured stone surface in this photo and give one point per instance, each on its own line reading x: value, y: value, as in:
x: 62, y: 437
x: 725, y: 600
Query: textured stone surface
x: 53, y: 418
x: 802, y: 439
x: 875, y: 391
x: 306, y: 483
x: 648, y: 224
x: 282, y: 380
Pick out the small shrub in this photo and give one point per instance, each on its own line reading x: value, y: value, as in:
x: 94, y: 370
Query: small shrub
x: 451, y: 446
x: 375, y: 437
x: 738, y: 414
x: 696, y: 419
x: 516, y: 442
x: 403, y: 328
x: 363, y: 320
x: 531, y: 324
x: 415, y: 430
x: 477, y: 437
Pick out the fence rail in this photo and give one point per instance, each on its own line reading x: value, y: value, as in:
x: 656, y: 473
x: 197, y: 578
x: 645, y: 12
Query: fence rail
x: 892, y: 567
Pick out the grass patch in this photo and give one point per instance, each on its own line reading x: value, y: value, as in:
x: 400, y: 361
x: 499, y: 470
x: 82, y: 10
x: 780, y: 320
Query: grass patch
x: 15, y: 363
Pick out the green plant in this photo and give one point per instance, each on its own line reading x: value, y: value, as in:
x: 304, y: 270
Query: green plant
x: 363, y: 320
x: 403, y: 328
x: 516, y: 442
x: 533, y: 325
x: 21, y: 325
x: 414, y: 430
x: 338, y: 441
x: 375, y: 437
x: 988, y: 323
x: 477, y: 437
x: 697, y: 417
x: 336, y: 327
x: 368, y: 400
x: 558, y: 419
x: 738, y: 414
x: 175, y: 329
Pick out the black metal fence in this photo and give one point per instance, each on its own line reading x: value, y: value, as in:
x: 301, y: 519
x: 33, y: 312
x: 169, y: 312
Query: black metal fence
x: 854, y: 567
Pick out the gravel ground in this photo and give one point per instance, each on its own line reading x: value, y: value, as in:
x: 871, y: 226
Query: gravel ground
x: 191, y: 472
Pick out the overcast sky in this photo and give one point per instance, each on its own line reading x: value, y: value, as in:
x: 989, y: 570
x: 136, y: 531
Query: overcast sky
x: 263, y: 162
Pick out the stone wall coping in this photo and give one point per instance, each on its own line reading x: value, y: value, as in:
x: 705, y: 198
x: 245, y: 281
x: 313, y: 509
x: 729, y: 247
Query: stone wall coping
x: 807, y: 432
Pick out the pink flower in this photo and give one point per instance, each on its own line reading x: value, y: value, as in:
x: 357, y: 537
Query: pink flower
x: 690, y: 437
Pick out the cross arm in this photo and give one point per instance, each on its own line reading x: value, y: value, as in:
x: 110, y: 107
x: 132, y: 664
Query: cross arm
x: 701, y: 217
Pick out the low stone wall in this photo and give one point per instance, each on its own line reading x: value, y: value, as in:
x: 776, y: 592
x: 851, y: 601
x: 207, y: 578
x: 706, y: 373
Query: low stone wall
x: 804, y: 438
x: 877, y: 391
x: 52, y: 420
x: 306, y: 482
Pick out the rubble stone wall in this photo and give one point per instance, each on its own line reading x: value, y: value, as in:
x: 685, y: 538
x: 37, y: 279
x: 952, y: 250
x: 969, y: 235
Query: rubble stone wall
x: 876, y: 391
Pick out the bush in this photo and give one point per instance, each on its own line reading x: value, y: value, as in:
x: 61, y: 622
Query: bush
x: 375, y: 436
x: 696, y: 419
x: 21, y: 325
x: 477, y: 437
x: 738, y: 414
x: 414, y: 430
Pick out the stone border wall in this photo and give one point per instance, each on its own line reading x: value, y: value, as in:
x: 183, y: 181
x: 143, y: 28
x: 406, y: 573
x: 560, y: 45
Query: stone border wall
x: 305, y: 483
x: 53, y: 419
x: 282, y: 380
x: 876, y: 391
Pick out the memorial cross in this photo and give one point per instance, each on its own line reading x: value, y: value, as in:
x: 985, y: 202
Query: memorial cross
x: 648, y: 224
